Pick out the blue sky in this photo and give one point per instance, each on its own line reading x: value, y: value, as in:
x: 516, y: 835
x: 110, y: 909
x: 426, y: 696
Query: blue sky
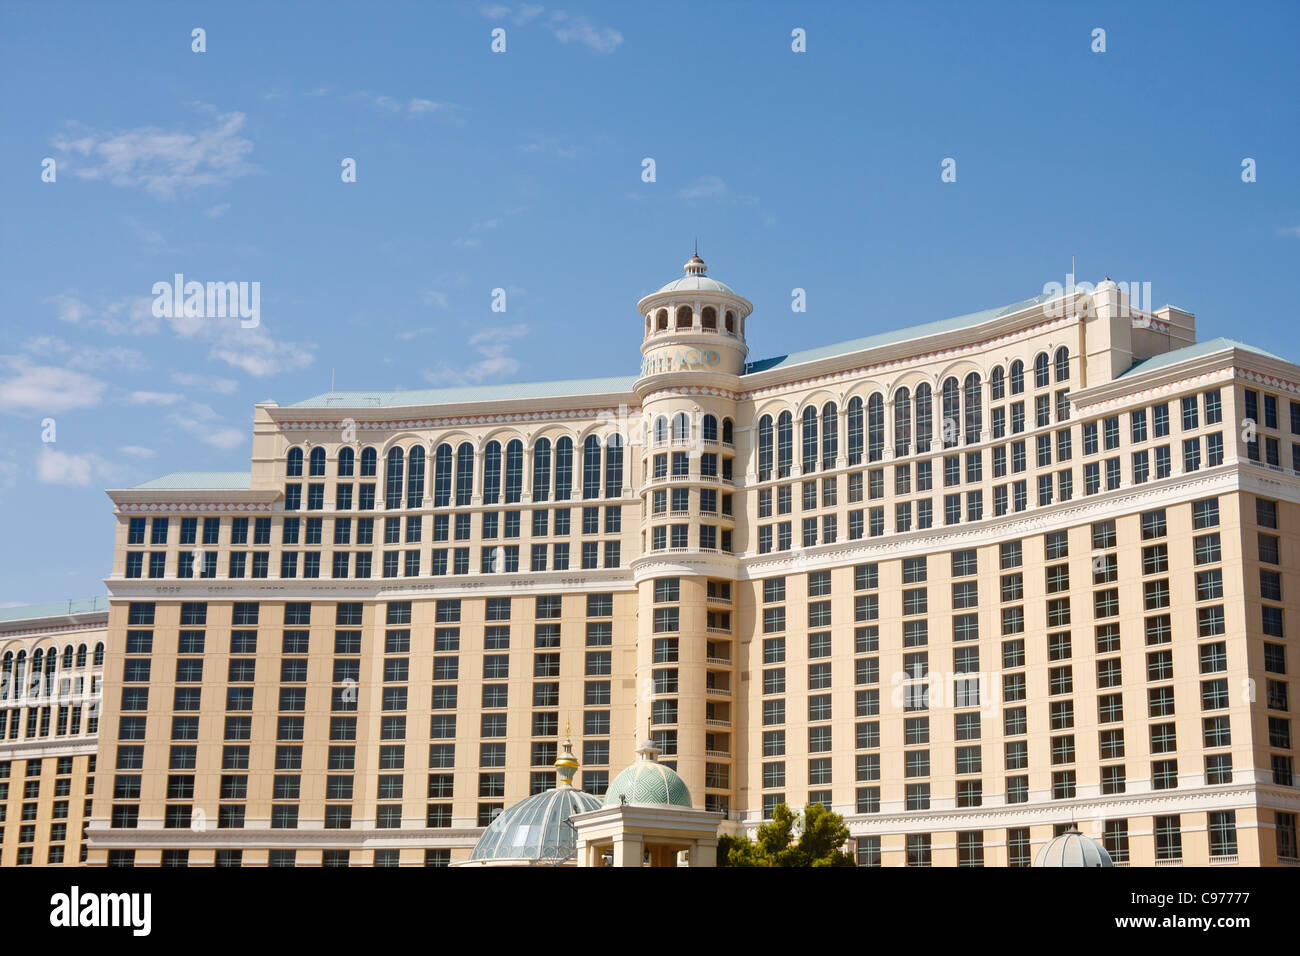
x: 522, y: 170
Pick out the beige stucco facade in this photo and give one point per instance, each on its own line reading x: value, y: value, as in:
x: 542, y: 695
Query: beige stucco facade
x: 767, y: 565
x: 51, y: 667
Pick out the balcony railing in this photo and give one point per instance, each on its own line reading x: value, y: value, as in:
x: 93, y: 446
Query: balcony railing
x: 718, y: 691
x: 718, y: 754
x: 718, y: 661
x: 715, y: 722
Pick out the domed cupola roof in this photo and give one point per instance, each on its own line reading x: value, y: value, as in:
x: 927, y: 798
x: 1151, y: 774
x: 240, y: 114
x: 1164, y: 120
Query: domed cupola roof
x: 1072, y: 848
x: 695, y: 279
x: 648, y: 782
x: 536, y: 829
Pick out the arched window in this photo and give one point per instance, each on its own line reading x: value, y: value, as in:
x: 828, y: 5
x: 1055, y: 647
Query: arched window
x: 346, y: 459
x: 1017, y: 376
x: 1062, y: 364
x: 542, y: 469
x: 38, y: 659
x: 709, y: 318
x: 99, y: 655
x: 318, y: 462
x: 809, y: 442
x: 661, y: 320
x: 728, y: 432
x: 951, y: 412
x: 973, y: 406
x: 50, y: 660
x: 661, y: 429
x: 369, y: 462
x: 442, y: 476
x: 1041, y: 379
x: 924, y: 402
x: 563, y: 468
x: 464, y: 473
x: 293, y: 467
x: 710, y: 428
x: 681, y: 427
x: 875, y: 427
x: 393, y: 478
x: 684, y: 317
x: 81, y: 655
x: 415, y: 477
x: 7, y: 676
x: 997, y: 384
x: 514, y: 471
x: 784, y: 444
x: 856, y: 432
x: 729, y: 322
x: 765, y: 448
x: 591, y: 465
x: 20, y: 676
x: 830, y: 434
x: 67, y: 658
x: 614, y: 467
x: 492, y: 473
x: 902, y: 422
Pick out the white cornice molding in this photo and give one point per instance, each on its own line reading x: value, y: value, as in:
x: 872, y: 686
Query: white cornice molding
x: 369, y: 589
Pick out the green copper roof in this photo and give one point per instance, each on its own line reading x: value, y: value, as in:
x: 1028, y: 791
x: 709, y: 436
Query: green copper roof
x: 201, y: 481
x: 894, y: 337
x: 24, y: 612
x: 648, y: 781
x: 535, y: 827
x: 1208, y: 347
x: 475, y: 393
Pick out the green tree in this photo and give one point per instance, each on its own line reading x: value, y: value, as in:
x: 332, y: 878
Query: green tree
x: 821, y: 835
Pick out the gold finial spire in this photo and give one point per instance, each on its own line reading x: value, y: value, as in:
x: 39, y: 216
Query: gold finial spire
x: 566, y: 764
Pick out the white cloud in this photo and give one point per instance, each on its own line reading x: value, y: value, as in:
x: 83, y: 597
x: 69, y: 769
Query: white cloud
x: 468, y: 243
x: 564, y: 27
x: 86, y: 357
x: 1290, y: 231
x: 132, y: 315
x: 256, y: 352
x: 495, y: 362
x: 220, y: 209
x: 162, y: 162
x: 45, y: 389
x: 138, y: 451
x: 705, y: 187
x: 67, y: 468
x: 203, y: 421
x: 571, y: 29
x: 552, y: 146
x: 155, y: 398
x: 435, y: 297
x: 206, y: 383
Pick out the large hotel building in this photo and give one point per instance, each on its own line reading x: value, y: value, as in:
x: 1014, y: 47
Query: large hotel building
x: 966, y: 583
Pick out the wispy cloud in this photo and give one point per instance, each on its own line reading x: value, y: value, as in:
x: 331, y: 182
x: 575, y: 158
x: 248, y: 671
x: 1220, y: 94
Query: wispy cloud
x: 714, y: 187
x: 138, y: 451
x: 206, y: 383
x: 1293, y: 231
x: 565, y: 27
x: 254, y: 350
x: 87, y: 357
x: 45, y: 389
x: 154, y: 398
x: 55, y: 467
x: 551, y: 146
x: 495, y: 361
x: 202, y: 420
x: 705, y: 187
x: 413, y: 106
x: 163, y: 162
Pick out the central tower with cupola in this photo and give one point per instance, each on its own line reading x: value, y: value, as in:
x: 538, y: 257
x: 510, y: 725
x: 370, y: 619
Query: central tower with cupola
x: 693, y: 445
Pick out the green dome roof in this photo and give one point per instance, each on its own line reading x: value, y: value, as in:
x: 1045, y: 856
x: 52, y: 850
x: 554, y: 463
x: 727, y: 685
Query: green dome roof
x: 534, y: 828
x: 648, y: 781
